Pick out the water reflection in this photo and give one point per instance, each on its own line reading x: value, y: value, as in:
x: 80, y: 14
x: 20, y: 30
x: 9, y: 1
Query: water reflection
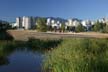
x: 21, y: 60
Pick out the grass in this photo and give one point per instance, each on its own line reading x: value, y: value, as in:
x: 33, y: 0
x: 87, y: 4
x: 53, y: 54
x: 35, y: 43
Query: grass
x: 78, y: 55
x: 43, y: 44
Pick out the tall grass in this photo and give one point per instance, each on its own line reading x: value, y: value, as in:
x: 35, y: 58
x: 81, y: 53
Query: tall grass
x: 43, y: 44
x: 78, y: 55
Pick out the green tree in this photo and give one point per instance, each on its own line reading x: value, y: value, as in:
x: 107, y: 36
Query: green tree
x: 98, y: 27
x: 80, y: 28
x: 41, y: 24
x: 49, y: 28
x: 63, y: 27
x: 4, y: 26
x: 105, y: 29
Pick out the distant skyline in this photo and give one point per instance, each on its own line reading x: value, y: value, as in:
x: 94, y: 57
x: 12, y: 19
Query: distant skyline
x: 81, y: 9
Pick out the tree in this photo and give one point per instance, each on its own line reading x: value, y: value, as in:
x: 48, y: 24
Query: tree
x: 98, y: 27
x: 41, y: 24
x: 63, y: 27
x: 4, y: 35
x: 4, y: 26
x: 49, y: 28
x: 80, y: 28
x: 105, y: 29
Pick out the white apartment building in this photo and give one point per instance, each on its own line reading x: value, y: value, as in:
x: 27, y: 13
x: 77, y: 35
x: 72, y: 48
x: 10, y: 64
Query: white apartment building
x: 66, y: 25
x: 48, y: 22
x: 18, y: 22
x: 103, y: 20
x: 92, y: 22
x: 23, y: 21
x: 53, y: 23
x: 26, y: 22
x: 56, y: 24
x: 86, y: 23
x: 13, y: 25
x: 76, y: 23
x: 106, y: 21
x: 72, y: 22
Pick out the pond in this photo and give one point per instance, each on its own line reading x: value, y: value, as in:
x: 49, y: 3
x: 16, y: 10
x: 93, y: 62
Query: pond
x: 22, y: 60
x: 24, y: 56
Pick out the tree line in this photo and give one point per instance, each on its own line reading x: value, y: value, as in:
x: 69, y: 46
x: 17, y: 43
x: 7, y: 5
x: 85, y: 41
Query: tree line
x: 97, y: 27
x: 42, y: 27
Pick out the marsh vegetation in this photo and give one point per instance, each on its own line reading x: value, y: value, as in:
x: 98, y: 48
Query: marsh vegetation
x: 78, y: 55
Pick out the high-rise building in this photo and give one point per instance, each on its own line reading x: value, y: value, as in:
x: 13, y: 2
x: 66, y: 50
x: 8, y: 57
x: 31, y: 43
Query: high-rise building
x: 73, y: 22
x: 19, y: 22
x: 48, y: 22
x: 70, y: 22
x: 26, y: 22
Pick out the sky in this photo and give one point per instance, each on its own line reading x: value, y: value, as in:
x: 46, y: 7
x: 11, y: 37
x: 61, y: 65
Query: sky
x: 81, y: 9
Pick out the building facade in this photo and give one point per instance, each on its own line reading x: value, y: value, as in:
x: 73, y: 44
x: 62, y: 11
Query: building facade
x: 19, y: 22
x: 25, y: 22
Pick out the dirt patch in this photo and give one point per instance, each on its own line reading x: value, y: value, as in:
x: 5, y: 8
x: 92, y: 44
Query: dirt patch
x: 25, y: 34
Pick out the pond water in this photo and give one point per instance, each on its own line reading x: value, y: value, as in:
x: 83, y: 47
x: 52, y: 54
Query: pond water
x: 22, y: 61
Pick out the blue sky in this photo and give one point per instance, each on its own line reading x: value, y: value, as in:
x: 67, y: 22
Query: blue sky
x: 82, y: 9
